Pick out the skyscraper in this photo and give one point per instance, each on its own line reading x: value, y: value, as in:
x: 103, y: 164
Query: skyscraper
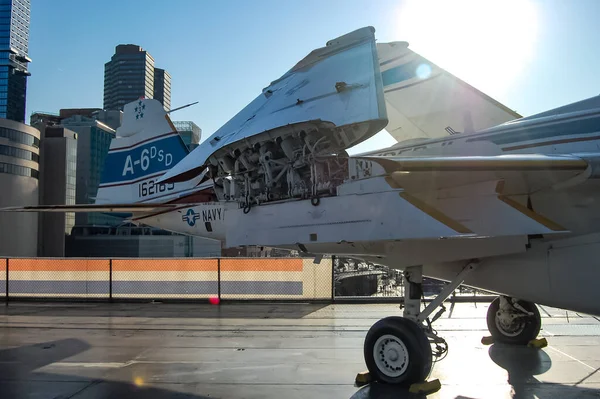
x: 128, y: 76
x: 162, y: 87
x: 14, y: 42
x: 58, y: 174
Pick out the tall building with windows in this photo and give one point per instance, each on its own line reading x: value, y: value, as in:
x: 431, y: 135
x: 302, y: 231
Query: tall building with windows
x: 58, y: 176
x: 128, y: 76
x: 93, y: 142
x: 162, y: 87
x: 14, y: 58
x: 189, y: 132
x: 19, y: 173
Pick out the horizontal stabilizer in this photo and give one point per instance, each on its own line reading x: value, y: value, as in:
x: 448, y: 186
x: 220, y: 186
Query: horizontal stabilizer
x: 107, y: 208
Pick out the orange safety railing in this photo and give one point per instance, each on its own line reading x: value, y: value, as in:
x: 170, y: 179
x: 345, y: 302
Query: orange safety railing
x: 167, y: 278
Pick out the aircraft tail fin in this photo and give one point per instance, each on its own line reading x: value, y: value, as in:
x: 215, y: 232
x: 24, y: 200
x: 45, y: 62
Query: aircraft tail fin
x: 147, y: 145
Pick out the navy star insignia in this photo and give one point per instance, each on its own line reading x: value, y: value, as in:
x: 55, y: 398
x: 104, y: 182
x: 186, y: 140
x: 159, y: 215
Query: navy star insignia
x: 139, y: 110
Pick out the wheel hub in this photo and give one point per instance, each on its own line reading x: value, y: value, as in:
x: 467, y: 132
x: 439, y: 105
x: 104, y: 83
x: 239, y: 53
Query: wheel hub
x: 509, y: 323
x: 391, y: 355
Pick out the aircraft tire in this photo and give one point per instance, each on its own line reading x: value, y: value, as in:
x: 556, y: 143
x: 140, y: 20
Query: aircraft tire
x: 517, y: 334
x: 397, y: 351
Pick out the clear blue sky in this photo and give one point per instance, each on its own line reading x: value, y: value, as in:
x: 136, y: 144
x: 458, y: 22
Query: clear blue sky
x: 529, y: 55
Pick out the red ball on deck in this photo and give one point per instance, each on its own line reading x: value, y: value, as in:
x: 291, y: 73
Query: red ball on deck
x: 214, y: 300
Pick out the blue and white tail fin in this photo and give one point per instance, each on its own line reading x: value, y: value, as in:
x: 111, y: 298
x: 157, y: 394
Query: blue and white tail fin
x: 147, y: 145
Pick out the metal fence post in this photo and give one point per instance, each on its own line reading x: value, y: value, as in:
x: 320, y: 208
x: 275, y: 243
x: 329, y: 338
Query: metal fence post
x: 110, y: 281
x: 219, y: 278
x: 6, y: 298
x: 332, y: 278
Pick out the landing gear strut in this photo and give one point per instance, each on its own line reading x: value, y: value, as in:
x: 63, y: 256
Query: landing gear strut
x: 513, y: 321
x: 398, y: 350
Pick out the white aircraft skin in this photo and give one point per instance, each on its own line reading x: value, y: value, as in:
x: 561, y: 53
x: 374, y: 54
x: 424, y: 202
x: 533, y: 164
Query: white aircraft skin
x: 507, y: 204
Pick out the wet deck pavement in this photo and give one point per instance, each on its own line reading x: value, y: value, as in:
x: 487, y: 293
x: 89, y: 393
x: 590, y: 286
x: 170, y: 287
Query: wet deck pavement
x: 155, y: 350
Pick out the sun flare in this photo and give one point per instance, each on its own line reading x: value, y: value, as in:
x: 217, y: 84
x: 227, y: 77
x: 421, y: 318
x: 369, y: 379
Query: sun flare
x: 486, y: 43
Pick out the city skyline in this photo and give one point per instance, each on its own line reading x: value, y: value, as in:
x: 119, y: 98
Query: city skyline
x: 160, y: 91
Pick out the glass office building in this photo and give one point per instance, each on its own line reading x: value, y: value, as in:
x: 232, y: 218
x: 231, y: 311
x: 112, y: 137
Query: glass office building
x: 93, y: 142
x: 14, y: 59
x: 71, y: 183
x: 189, y: 132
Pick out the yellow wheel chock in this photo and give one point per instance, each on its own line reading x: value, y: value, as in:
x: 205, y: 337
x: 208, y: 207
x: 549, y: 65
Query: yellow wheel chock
x: 426, y: 388
x: 487, y: 340
x: 363, y: 378
x: 538, y: 343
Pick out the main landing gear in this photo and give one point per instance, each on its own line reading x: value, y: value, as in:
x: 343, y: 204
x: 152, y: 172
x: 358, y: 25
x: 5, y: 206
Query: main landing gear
x: 398, y: 350
x: 513, y: 321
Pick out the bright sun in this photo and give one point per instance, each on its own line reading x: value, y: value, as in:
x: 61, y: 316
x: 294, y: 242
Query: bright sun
x: 486, y: 43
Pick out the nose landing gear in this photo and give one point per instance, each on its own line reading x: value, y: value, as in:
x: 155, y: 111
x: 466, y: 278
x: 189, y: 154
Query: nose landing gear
x: 397, y: 350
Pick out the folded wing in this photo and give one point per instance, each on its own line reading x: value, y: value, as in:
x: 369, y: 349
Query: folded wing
x: 335, y: 88
x: 425, y: 101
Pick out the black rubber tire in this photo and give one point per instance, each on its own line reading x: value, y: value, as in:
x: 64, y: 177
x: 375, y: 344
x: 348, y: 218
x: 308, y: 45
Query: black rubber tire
x: 416, y: 342
x: 531, y: 330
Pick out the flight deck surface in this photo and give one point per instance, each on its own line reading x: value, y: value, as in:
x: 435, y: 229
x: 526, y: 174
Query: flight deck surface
x: 271, y: 350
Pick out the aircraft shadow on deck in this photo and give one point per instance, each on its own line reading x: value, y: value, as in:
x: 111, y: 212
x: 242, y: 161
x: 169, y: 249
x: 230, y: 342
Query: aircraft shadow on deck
x: 521, y: 363
x: 19, y: 377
